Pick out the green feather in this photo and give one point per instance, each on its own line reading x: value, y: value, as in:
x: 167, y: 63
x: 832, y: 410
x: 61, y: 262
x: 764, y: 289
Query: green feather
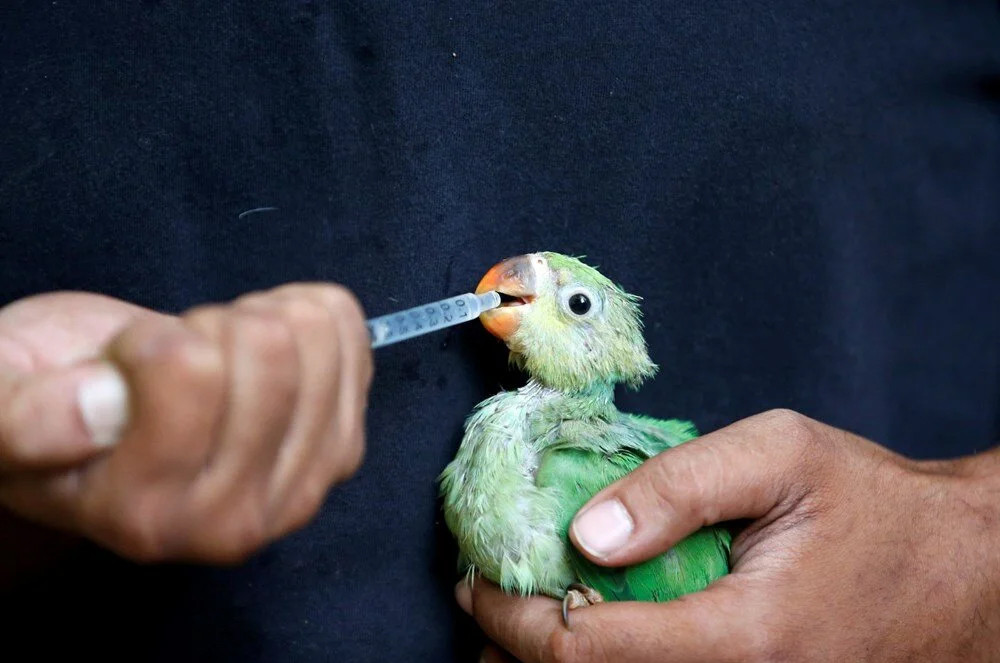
x: 531, y: 458
x: 578, y: 474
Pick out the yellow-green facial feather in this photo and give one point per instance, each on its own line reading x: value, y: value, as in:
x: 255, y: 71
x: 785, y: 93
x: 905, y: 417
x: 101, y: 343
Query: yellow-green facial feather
x: 566, y: 348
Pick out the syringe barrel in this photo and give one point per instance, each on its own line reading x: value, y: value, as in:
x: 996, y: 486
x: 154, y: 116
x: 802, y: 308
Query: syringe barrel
x: 419, y: 320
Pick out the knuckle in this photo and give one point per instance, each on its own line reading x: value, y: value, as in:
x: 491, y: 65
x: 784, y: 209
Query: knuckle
x: 208, y: 322
x: 342, y: 300
x: 187, y: 357
x: 132, y: 343
x: 348, y: 310
x: 660, y: 487
x: 256, y: 300
x: 267, y: 335
x: 306, y: 502
x: 668, y: 478
x: 351, y: 456
x: 140, y: 534
x: 684, y: 487
x: 791, y: 428
x: 306, y: 312
x: 251, y: 531
x: 244, y: 535
x: 175, y: 349
x: 797, y: 441
x: 206, y: 319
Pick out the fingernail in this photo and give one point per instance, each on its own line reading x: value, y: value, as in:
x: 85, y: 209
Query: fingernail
x: 103, y: 403
x: 603, y: 528
x: 463, y: 595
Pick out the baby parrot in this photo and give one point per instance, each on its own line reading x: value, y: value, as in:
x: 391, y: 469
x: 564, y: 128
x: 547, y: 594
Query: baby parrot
x: 531, y: 458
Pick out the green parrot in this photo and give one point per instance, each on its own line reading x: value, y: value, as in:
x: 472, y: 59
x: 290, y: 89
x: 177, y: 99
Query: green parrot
x: 531, y: 458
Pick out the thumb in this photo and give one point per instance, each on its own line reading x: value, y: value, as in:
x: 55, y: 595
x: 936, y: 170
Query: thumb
x: 61, y: 416
x: 756, y: 467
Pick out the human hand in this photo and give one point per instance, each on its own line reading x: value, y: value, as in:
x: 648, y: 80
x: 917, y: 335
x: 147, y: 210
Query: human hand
x: 854, y: 554
x: 194, y: 438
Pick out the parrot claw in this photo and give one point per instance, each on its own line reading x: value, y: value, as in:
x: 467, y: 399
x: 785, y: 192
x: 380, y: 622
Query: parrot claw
x: 579, y: 596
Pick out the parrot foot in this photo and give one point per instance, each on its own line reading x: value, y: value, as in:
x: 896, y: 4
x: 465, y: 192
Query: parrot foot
x: 579, y: 596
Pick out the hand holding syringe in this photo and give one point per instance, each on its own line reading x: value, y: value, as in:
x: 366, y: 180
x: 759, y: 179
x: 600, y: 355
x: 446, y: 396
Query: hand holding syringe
x: 419, y: 320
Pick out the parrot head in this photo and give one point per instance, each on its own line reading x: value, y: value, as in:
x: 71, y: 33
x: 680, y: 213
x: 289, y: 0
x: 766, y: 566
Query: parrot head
x: 565, y: 323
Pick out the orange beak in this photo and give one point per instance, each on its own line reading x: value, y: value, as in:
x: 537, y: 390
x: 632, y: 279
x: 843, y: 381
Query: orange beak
x: 514, y: 279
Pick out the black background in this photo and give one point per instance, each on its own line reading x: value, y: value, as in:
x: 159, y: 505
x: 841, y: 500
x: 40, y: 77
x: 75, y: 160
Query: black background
x: 806, y: 194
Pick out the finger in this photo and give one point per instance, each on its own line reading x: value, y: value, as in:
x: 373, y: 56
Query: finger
x: 262, y: 370
x: 178, y: 381
x: 325, y: 440
x: 60, y: 417
x: 353, y: 387
x: 491, y: 653
x: 523, y: 626
x: 712, y: 625
x: 261, y: 388
x: 755, y: 467
x: 129, y: 499
x: 60, y: 329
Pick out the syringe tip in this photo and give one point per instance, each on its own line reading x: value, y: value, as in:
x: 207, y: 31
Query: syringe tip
x: 489, y: 300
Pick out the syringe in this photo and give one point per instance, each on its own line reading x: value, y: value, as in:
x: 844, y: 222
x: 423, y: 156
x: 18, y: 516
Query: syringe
x: 420, y: 320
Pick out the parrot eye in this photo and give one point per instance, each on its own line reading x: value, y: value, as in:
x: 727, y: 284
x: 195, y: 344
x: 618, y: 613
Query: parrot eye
x: 581, y: 302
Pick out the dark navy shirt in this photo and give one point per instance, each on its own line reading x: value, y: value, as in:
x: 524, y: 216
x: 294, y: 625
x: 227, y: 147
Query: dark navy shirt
x: 805, y: 194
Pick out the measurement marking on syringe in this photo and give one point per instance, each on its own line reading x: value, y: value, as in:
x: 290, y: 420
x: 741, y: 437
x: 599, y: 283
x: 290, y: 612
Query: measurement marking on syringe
x: 429, y: 317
